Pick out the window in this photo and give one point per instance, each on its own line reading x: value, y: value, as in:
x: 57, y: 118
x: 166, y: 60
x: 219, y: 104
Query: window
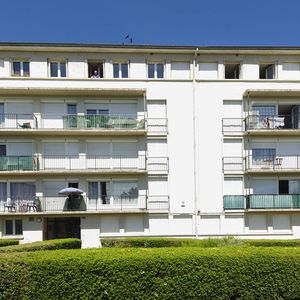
x: 267, y: 71
x: 99, y: 191
x: 263, y: 157
x: 58, y: 68
x: 232, y: 71
x: 120, y: 70
x: 14, y: 227
x: 263, y: 115
x: 155, y: 70
x: 2, y: 150
x: 96, y: 69
x: 72, y: 109
x: 283, y: 187
x: 101, y: 112
x: 20, y: 69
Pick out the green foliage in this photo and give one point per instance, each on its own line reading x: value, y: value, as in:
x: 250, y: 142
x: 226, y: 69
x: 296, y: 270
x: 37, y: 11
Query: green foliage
x: 165, y: 273
x: 45, y: 245
x: 273, y: 243
x: 4, y: 242
x: 169, y: 242
x: 149, y: 242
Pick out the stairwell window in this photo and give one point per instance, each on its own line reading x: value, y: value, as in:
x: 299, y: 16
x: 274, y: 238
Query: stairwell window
x: 20, y: 68
x: 232, y: 70
x: 121, y: 70
x: 267, y: 71
x: 58, y: 68
x: 156, y: 70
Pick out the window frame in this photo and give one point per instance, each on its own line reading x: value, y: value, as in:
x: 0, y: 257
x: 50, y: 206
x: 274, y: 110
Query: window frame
x: 155, y: 63
x: 14, y: 227
x: 58, y: 61
x: 273, y: 64
x: 120, y: 73
x: 239, y: 63
x: 21, y: 61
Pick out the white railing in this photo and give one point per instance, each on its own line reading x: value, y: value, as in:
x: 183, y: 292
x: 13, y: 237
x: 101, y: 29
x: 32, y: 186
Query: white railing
x: 18, y: 121
x: 157, y: 125
x: 91, y: 162
x: 158, y: 202
x: 106, y: 122
x: 158, y: 164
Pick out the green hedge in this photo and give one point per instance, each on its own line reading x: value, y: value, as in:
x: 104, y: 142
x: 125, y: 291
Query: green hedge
x: 150, y: 242
x: 273, y: 243
x: 45, y: 245
x: 4, y: 242
x: 168, y: 273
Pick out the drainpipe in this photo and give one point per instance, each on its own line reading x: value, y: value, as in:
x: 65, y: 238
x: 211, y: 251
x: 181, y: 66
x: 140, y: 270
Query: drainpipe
x: 195, y: 145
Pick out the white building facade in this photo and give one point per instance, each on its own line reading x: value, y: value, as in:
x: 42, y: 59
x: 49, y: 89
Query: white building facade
x: 163, y: 141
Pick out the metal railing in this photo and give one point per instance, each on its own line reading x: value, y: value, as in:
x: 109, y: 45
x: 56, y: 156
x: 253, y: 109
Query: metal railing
x: 89, y: 162
x: 157, y: 164
x: 260, y: 201
x: 83, y: 203
x: 233, y: 164
x: 157, y: 125
x: 275, y: 162
x: 273, y: 201
x: 106, y: 122
x: 233, y: 125
x: 265, y: 122
x: 18, y: 121
x: 158, y: 202
x: 234, y: 202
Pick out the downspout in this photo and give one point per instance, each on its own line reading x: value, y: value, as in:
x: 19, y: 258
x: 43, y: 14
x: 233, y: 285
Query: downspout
x: 195, y: 144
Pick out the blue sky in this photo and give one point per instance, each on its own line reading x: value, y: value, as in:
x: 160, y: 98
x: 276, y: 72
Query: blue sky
x: 167, y: 22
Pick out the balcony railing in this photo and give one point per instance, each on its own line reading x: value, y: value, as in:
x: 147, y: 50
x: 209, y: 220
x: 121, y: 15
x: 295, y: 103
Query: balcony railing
x: 83, y: 162
x: 276, y: 162
x: 261, y: 202
x: 233, y: 164
x: 105, y: 122
x: 76, y: 122
x: 157, y: 125
x: 233, y: 125
x: 273, y: 201
x: 158, y: 202
x: 18, y: 121
x: 234, y: 202
x: 272, y: 122
x: 17, y: 163
x: 82, y: 203
x: 273, y: 162
x: 92, y: 162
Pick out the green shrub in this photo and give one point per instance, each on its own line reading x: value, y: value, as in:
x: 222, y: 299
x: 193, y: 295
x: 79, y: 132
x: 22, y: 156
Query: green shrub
x: 45, y: 245
x: 149, y: 242
x: 273, y: 243
x: 165, y: 273
x: 4, y: 242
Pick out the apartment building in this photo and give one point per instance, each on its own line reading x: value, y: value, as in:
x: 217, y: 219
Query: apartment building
x: 162, y: 141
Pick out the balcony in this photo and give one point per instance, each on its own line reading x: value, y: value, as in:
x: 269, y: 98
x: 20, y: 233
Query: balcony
x: 233, y: 126
x: 18, y: 121
x: 238, y: 202
x: 110, y: 203
x: 84, y: 164
x: 17, y: 163
x: 274, y: 163
x: 282, y: 124
x: 262, y: 164
x: 40, y: 124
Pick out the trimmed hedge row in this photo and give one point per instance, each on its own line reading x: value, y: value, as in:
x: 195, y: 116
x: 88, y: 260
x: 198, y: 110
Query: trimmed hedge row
x: 4, y: 242
x: 169, y: 273
x: 150, y: 242
x: 45, y: 245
